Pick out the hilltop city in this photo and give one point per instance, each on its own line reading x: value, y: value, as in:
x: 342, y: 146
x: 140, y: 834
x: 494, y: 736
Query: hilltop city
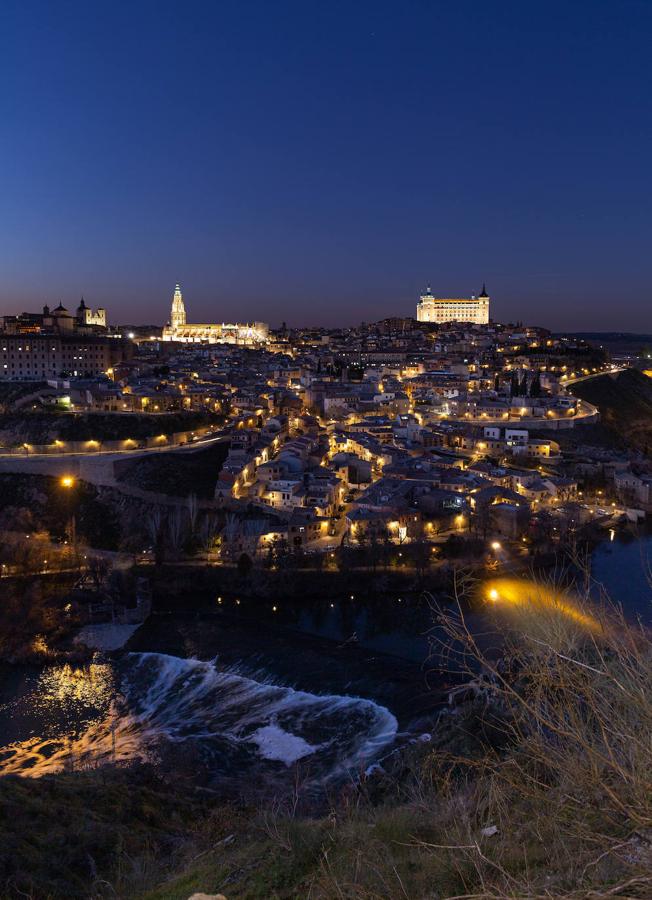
x: 325, y: 451
x: 406, y: 431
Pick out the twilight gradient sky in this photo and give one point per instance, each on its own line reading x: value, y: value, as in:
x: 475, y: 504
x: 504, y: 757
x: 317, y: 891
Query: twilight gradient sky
x: 320, y: 161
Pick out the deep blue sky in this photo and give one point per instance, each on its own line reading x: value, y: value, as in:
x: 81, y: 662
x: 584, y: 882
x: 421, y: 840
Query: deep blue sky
x: 320, y: 162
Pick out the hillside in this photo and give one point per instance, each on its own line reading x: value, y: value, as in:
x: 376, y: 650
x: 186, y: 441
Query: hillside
x: 177, y: 474
x: 538, y: 785
x: 625, y: 404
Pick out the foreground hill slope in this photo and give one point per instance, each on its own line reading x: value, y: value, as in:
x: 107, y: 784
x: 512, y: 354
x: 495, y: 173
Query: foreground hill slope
x: 539, y: 785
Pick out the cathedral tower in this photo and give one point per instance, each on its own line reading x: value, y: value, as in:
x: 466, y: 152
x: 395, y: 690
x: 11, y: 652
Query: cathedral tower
x: 178, y: 313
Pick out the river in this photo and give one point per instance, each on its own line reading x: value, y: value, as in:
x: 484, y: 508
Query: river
x: 246, y: 697
x: 621, y: 564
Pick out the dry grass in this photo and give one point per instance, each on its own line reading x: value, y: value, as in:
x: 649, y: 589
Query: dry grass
x: 560, y: 805
x: 541, y: 787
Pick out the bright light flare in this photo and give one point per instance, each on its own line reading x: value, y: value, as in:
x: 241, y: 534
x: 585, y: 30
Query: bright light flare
x: 538, y: 599
x: 67, y: 481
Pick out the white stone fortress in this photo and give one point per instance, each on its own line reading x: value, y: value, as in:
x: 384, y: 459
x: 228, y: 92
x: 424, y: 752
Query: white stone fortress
x: 453, y: 309
x: 179, y: 330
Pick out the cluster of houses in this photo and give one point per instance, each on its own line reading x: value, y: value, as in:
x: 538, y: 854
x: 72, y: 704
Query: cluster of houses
x: 397, y: 430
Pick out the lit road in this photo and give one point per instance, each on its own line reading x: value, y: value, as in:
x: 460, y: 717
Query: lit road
x: 94, y: 466
x: 18, y: 453
x: 565, y: 382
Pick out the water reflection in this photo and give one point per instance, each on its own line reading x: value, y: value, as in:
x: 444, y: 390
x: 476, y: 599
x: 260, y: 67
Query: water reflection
x: 397, y: 625
x: 621, y: 568
x: 68, y: 685
x: 55, y: 706
x: 222, y: 722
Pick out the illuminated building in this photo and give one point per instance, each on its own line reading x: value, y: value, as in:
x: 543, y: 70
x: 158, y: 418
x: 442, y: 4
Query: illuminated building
x: 57, y: 343
x: 238, y: 333
x: 453, y: 309
x: 29, y: 357
x: 58, y: 320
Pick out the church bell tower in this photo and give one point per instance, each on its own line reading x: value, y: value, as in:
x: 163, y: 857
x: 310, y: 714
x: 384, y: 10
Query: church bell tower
x: 178, y: 313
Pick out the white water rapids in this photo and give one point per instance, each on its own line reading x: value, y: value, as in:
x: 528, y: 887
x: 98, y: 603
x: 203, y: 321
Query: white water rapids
x: 235, y: 725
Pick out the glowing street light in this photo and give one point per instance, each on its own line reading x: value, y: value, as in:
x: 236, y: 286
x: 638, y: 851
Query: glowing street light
x: 68, y: 482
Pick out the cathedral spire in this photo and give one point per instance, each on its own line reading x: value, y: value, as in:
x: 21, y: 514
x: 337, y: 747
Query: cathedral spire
x: 178, y: 312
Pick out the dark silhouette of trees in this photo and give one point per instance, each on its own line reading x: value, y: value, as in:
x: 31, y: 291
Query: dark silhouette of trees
x: 245, y: 565
x: 535, y: 386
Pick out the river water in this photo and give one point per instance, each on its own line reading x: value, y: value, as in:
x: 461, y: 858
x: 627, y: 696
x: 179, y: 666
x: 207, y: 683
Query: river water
x: 246, y: 700
x: 621, y: 564
x: 225, y: 723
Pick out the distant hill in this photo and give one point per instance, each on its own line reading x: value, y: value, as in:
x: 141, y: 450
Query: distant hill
x: 618, y: 342
x: 620, y: 336
x: 625, y: 404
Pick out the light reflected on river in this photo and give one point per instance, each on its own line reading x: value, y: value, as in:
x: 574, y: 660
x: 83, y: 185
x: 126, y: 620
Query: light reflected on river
x: 74, y: 709
x: 66, y: 685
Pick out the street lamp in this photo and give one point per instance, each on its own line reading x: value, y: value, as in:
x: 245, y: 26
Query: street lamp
x: 68, y: 482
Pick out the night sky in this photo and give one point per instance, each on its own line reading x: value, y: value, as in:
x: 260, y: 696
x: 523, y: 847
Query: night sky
x: 321, y: 162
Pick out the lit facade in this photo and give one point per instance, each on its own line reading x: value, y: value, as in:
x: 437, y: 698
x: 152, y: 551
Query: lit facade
x: 238, y: 333
x: 57, y: 343
x: 453, y: 309
x: 84, y: 321
x: 91, y: 317
x: 29, y: 357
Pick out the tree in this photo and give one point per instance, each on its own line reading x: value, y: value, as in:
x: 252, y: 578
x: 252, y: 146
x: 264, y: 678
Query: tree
x: 245, y: 565
x: 176, y: 529
x: 535, y: 386
x: 156, y: 533
x: 513, y: 384
x: 208, y: 531
x: 482, y: 519
x: 193, y: 511
x: 421, y: 556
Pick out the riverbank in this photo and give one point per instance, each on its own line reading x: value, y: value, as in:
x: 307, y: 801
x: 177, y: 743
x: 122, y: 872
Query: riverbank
x: 516, y: 792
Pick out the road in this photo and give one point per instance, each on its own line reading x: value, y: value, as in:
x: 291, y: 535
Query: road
x: 199, y: 444
x: 566, y: 381
x: 96, y: 466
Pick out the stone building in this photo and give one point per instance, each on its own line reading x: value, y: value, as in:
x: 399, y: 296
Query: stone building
x: 58, y: 320
x: 57, y: 343
x: 453, y: 309
x: 180, y: 330
x: 43, y: 356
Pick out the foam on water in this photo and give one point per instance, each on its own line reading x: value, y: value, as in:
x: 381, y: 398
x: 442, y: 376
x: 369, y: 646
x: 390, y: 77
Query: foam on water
x: 274, y: 743
x: 236, y: 725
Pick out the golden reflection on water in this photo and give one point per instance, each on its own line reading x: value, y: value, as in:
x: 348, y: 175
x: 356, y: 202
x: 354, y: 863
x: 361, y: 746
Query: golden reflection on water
x: 530, y: 596
x: 90, y: 685
x: 67, y: 694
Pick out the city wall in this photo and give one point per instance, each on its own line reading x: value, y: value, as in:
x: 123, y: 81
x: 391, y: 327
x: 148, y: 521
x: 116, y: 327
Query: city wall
x: 62, y: 448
